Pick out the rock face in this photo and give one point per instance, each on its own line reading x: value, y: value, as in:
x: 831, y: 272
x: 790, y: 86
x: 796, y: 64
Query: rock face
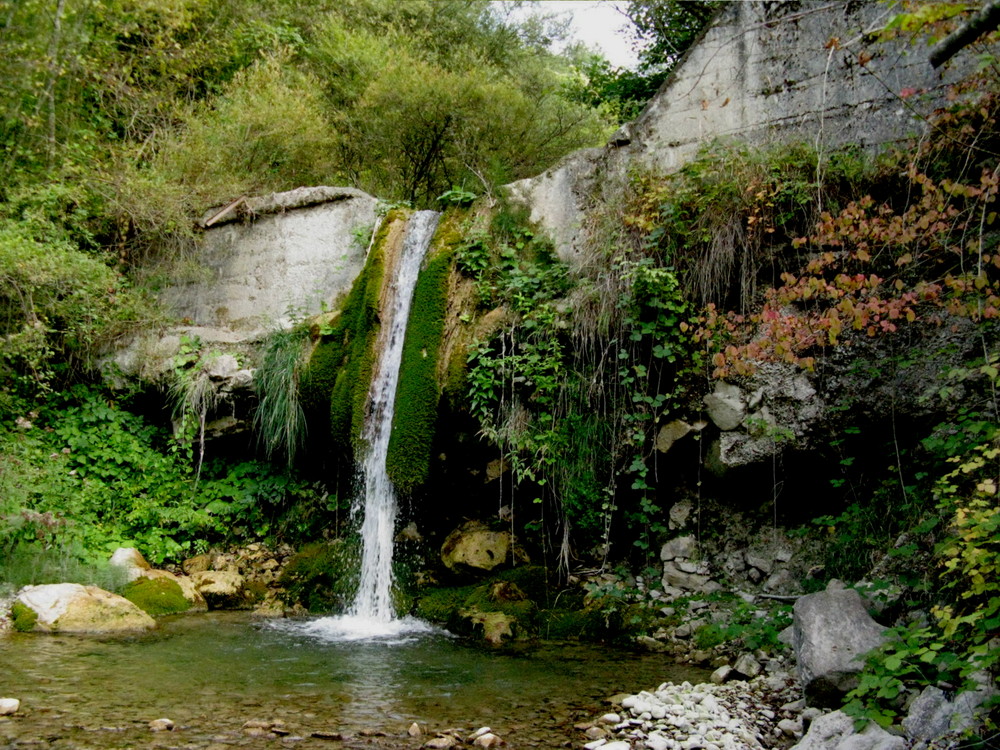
x: 763, y: 72
x: 298, y: 250
x: 474, y: 548
x: 831, y: 631
x: 72, y: 608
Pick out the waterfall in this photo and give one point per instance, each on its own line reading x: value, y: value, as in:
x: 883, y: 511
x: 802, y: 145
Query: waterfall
x: 373, y: 603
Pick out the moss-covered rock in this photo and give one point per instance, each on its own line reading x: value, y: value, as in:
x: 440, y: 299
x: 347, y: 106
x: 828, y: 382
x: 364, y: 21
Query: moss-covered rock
x: 418, y: 390
x: 157, y: 596
x: 322, y: 577
x: 24, y: 617
x: 475, y: 549
x: 72, y: 608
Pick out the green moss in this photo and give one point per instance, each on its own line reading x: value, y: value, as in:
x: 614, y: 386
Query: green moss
x: 334, y: 384
x: 322, y: 577
x: 442, y: 604
x: 156, y: 596
x: 451, y: 606
x: 317, y: 380
x: 417, y: 394
x: 24, y: 617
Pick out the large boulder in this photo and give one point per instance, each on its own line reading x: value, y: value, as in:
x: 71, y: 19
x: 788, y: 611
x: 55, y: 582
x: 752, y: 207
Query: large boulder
x: 835, y: 731
x: 831, y: 632
x: 475, y: 548
x: 72, y: 608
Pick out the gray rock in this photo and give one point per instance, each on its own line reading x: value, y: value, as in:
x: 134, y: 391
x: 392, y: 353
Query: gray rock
x: 747, y: 665
x: 832, y: 631
x: 721, y: 674
x: 221, y: 367
x: 674, y: 577
x: 932, y: 716
x: 790, y: 727
x: 679, y: 547
x: 671, y: 433
x: 725, y: 406
x: 760, y: 560
x: 782, y: 581
x: 679, y: 514
x: 835, y: 731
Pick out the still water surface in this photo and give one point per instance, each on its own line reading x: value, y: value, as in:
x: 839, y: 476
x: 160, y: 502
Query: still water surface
x: 211, y: 673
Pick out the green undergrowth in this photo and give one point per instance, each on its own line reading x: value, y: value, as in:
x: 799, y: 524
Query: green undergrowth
x: 85, y: 476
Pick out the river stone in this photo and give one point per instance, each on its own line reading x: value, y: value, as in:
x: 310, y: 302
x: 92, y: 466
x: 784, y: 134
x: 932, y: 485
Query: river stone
x: 161, y: 725
x: 222, y: 589
x: 130, y: 562
x: 832, y: 631
x: 747, y: 665
x: 9, y: 706
x: 440, y: 743
x: 72, y: 608
x: 475, y: 548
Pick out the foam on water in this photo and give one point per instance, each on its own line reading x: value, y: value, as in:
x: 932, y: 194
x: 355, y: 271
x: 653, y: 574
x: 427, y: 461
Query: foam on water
x: 350, y: 628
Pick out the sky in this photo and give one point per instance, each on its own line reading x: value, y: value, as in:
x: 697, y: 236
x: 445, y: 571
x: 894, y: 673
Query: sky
x: 598, y: 24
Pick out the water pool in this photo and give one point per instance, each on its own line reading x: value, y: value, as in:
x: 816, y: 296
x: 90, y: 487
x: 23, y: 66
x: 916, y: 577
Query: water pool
x: 212, y: 673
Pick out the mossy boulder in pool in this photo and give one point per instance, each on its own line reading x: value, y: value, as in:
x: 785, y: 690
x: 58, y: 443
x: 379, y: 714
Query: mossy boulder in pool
x: 157, y: 596
x: 72, y: 608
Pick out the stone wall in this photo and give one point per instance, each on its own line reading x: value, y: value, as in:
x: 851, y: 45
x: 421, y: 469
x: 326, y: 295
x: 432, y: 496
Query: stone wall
x: 281, y: 254
x: 765, y: 71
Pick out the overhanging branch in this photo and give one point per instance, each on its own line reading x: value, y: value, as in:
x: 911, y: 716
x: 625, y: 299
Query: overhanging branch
x: 983, y: 22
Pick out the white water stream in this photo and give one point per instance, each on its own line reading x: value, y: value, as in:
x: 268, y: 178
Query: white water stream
x: 372, y: 614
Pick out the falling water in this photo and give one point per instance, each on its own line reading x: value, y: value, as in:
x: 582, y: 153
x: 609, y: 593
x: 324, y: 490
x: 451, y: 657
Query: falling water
x: 372, y: 613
